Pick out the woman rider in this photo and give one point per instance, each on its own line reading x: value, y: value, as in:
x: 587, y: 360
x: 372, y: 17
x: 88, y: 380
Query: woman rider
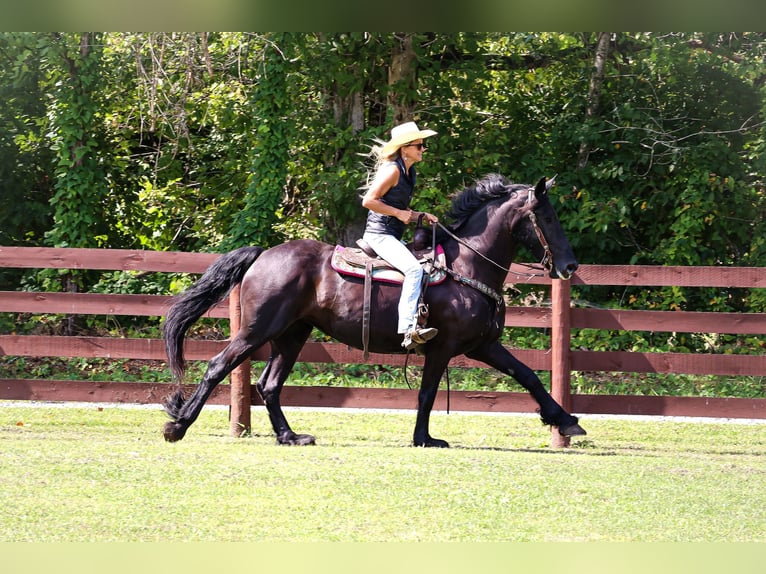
x: 388, y: 198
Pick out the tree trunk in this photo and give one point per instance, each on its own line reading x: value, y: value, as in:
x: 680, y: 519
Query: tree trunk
x: 594, y: 91
x: 402, y: 79
x: 346, y: 100
x: 348, y: 110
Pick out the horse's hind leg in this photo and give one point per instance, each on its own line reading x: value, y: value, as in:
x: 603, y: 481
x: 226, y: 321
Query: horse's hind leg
x: 184, y: 412
x: 285, y: 350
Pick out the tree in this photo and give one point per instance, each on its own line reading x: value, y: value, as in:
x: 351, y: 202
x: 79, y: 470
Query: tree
x: 594, y: 90
x: 253, y: 225
x: 337, y: 94
x: 402, y: 79
x: 81, y: 216
x: 26, y: 174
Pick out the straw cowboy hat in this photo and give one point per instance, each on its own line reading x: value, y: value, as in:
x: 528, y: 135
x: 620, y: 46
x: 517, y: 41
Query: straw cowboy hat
x: 403, y: 134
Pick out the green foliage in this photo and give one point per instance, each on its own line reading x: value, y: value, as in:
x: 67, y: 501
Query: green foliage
x: 205, y: 141
x: 81, y: 216
x: 253, y: 225
x: 667, y: 181
x: 26, y: 170
x: 338, y: 81
x: 25, y: 160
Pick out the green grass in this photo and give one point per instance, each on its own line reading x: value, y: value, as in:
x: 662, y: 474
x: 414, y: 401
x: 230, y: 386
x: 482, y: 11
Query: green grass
x: 87, y: 473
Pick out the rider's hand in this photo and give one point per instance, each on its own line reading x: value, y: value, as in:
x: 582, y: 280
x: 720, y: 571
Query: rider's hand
x: 415, y: 215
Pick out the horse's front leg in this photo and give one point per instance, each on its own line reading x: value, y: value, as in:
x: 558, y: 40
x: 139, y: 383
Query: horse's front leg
x: 497, y: 356
x: 432, y: 374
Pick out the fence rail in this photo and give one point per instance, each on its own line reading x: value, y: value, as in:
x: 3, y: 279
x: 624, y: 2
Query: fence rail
x: 561, y: 317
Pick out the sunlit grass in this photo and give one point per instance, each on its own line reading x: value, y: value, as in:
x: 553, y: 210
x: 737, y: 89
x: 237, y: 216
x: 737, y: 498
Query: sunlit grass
x: 99, y: 475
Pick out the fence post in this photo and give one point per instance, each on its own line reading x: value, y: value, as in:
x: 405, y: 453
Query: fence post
x: 239, y: 399
x: 560, y: 352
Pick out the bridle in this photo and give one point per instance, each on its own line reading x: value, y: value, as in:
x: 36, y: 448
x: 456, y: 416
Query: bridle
x: 547, y: 260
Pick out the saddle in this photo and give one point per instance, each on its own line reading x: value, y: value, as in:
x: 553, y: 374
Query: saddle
x: 354, y: 261
x: 363, y: 262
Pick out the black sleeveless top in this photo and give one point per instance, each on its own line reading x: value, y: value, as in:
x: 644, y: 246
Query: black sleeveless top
x: 398, y: 196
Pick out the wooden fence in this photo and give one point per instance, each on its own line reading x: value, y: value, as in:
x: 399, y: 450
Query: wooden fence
x: 561, y: 317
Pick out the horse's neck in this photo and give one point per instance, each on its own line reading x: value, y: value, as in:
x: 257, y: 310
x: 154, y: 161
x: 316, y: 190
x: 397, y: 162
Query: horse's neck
x: 488, y: 252
x: 489, y: 232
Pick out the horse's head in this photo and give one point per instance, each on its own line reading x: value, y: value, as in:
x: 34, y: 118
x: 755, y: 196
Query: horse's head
x: 525, y: 212
x: 540, y: 232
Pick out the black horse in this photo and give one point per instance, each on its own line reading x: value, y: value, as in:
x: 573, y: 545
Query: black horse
x: 288, y: 290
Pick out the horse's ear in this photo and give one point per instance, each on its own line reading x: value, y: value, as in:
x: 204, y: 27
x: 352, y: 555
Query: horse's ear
x: 551, y: 182
x: 541, y: 187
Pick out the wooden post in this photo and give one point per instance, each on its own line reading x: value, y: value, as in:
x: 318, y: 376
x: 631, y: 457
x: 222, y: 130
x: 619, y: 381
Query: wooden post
x: 239, y: 400
x: 560, y: 352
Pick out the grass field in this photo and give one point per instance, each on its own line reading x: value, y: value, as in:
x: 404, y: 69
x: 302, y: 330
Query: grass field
x: 92, y: 473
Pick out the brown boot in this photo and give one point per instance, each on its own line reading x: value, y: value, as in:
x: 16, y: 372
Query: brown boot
x: 418, y: 336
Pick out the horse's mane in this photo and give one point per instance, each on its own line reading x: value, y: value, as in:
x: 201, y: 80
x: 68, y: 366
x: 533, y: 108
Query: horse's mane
x: 490, y: 187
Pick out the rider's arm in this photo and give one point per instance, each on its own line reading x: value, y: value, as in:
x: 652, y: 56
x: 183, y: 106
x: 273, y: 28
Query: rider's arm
x: 386, y: 178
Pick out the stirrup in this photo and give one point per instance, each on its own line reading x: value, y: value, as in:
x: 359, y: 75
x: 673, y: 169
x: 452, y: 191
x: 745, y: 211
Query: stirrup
x: 409, y: 344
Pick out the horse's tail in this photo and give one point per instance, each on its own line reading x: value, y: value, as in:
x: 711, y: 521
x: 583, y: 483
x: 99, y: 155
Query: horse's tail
x: 219, y: 279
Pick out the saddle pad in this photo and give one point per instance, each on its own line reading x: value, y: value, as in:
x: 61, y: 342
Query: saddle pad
x: 351, y: 261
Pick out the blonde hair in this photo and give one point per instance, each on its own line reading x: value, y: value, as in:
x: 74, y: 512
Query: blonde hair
x: 374, y: 160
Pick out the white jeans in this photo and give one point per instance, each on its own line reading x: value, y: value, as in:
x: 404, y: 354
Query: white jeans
x: 396, y: 253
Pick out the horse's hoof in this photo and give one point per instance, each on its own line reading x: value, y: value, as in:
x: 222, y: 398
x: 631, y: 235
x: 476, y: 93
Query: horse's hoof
x: 296, y: 439
x: 173, y: 431
x: 432, y: 443
x: 572, y: 430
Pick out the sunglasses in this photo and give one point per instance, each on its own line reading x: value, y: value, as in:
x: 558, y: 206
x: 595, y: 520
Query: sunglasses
x: 420, y: 146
